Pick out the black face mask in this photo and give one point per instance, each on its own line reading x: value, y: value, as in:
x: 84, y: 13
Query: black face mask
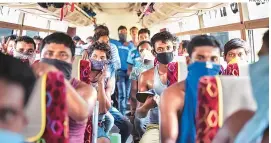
x: 123, y: 37
x: 64, y: 67
x: 165, y: 58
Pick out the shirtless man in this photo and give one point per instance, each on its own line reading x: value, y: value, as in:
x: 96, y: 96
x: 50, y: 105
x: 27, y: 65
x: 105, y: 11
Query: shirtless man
x: 156, y: 79
x: 201, y: 49
x: 244, y: 125
x: 57, y: 54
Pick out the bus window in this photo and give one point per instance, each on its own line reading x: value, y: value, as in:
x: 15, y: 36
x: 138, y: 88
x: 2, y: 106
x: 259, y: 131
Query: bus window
x: 255, y: 41
x: 30, y: 33
x: 189, y: 23
x: 5, y: 32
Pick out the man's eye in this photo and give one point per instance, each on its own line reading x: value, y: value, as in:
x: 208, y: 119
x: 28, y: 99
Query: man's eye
x: 7, y: 114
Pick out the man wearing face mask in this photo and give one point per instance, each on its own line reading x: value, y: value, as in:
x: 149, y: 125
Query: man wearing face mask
x: 57, y: 54
x: 178, y: 102
x: 244, y: 126
x: 156, y: 79
x: 25, y: 49
x: 123, y: 81
x: 16, y: 84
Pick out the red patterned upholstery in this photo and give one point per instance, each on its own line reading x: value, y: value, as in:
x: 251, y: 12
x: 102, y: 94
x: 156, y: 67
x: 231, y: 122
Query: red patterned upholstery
x: 85, y: 68
x: 207, y: 118
x: 232, y: 69
x: 172, y: 73
x: 56, y: 130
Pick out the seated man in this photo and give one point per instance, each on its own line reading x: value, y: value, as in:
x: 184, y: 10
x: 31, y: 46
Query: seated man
x: 156, y: 79
x: 16, y: 84
x: 246, y: 126
x: 8, y: 44
x: 100, y: 79
x: 25, y: 49
x: 178, y: 117
x: 236, y: 49
x: 57, y: 54
x: 182, y: 50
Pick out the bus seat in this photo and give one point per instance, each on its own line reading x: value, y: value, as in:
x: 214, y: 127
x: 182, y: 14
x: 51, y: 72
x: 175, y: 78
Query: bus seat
x: 218, y: 98
x: 47, y: 111
x: 75, y: 67
x: 236, y: 69
x: 177, y: 71
x: 85, y: 68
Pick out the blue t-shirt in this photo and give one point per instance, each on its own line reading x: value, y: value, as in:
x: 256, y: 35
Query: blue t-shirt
x: 133, y: 56
x: 123, y: 52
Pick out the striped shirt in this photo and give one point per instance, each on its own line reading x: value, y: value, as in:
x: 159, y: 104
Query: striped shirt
x: 115, y: 56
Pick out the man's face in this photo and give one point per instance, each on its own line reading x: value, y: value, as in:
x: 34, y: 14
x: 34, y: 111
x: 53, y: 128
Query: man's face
x: 104, y: 39
x: 98, y: 55
x: 143, y: 37
x: 25, y: 48
x: 37, y: 42
x: 205, y: 54
x: 57, y: 51
x: 161, y: 47
x: 134, y: 32
x: 145, y: 47
x: 12, y: 115
x: 239, y: 54
x: 123, y: 34
x: 10, y: 46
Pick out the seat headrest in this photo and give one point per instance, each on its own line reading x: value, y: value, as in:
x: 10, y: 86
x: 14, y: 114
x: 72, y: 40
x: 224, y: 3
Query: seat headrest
x: 236, y: 69
x: 76, y: 67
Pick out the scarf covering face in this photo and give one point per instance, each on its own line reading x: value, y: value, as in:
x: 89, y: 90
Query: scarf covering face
x: 187, y: 123
x: 64, y: 67
x: 18, y: 55
x: 253, y: 130
x: 98, y: 65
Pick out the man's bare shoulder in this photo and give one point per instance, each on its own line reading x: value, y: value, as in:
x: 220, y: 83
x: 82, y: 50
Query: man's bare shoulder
x: 148, y: 72
x: 176, y: 89
x: 82, y: 86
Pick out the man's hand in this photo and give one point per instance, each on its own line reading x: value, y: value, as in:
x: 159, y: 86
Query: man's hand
x: 42, y: 68
x: 102, y: 76
x: 85, y: 55
x: 156, y: 98
x: 149, y: 103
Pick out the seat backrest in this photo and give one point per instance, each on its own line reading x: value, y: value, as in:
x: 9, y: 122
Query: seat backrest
x: 177, y: 71
x: 218, y: 98
x: 47, y: 110
x: 91, y: 132
x: 236, y: 69
x: 84, y: 71
x: 76, y: 67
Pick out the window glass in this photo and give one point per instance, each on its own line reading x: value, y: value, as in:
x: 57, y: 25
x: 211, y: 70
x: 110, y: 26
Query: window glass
x: 222, y: 16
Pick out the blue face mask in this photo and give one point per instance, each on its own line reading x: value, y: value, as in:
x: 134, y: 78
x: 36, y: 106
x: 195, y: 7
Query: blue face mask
x: 10, y: 137
x: 187, y: 126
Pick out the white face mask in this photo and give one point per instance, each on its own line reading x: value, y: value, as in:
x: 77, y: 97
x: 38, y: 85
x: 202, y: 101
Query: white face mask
x: 147, y: 55
x: 19, y: 55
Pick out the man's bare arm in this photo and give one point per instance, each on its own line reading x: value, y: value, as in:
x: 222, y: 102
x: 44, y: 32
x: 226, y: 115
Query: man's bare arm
x: 171, y: 104
x: 81, y: 100
x: 104, y: 96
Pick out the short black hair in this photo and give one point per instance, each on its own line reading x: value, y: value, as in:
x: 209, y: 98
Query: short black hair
x: 164, y: 36
x: 25, y: 39
x: 143, y: 42
x: 235, y: 44
x: 266, y: 39
x: 122, y: 27
x: 203, y: 40
x: 10, y: 37
x: 103, y: 31
x: 76, y: 38
x: 101, y: 28
x: 37, y: 38
x: 185, y: 44
x: 144, y: 30
x: 14, y: 71
x: 133, y: 28
x: 100, y: 46
x: 59, y: 38
x: 90, y: 37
